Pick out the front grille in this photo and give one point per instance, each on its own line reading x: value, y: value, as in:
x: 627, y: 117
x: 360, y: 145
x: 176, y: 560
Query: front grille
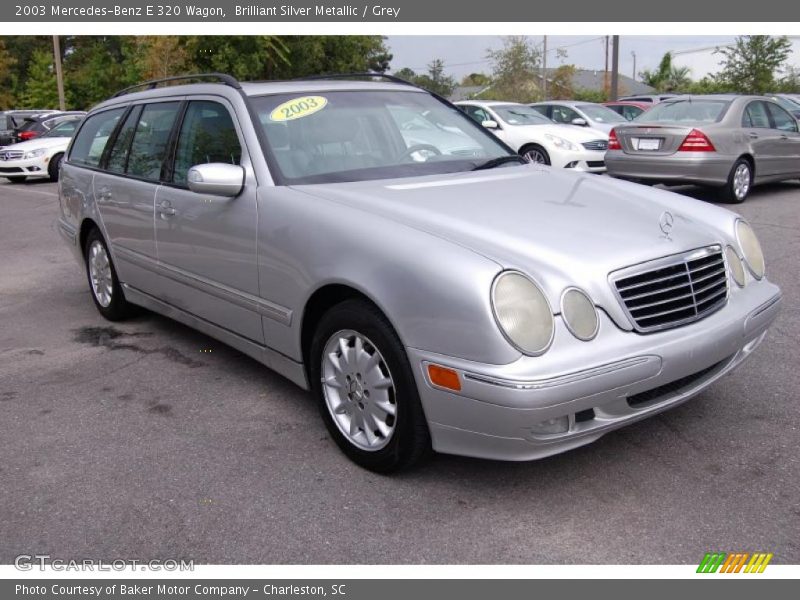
x: 11, y: 154
x: 663, y: 392
x: 596, y: 145
x: 675, y: 290
x: 596, y: 164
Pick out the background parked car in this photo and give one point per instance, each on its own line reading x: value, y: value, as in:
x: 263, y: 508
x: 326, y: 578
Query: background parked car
x: 726, y: 141
x: 38, y: 125
x: 11, y: 120
x: 787, y: 102
x: 629, y: 110
x: 39, y: 157
x: 648, y: 98
x: 538, y: 139
x: 584, y: 114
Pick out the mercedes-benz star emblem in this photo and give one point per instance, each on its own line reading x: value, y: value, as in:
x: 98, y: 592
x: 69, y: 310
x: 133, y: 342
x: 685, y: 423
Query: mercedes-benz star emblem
x: 665, y: 223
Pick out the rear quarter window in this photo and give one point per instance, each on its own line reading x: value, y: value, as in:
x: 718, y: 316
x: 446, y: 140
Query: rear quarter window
x: 89, y: 144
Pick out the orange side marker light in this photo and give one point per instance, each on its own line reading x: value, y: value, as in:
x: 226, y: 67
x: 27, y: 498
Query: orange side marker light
x: 444, y: 377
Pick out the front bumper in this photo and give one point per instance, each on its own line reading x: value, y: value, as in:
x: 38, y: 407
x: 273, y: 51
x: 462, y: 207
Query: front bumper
x: 588, y: 161
x: 29, y: 167
x: 618, y: 378
x: 703, y: 168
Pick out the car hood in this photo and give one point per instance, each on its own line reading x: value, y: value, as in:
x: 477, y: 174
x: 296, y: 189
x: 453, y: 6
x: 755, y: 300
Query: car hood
x: 40, y: 142
x: 561, y: 227
x: 573, y: 133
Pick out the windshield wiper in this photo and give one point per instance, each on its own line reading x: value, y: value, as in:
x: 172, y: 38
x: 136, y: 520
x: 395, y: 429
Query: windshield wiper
x: 500, y: 160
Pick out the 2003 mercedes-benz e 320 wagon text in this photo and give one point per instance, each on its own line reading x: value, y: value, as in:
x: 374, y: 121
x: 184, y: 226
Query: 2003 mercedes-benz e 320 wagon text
x: 370, y: 242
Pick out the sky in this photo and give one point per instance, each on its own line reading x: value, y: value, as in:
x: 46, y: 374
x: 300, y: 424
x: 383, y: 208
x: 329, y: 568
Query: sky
x: 467, y: 54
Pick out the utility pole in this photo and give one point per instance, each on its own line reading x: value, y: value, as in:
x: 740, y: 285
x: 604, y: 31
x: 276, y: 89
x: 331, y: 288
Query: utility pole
x: 544, y: 68
x: 633, y: 75
x: 615, y: 69
x: 62, y: 103
x: 605, y: 71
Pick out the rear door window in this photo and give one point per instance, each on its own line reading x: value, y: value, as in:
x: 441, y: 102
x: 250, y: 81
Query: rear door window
x: 207, y: 135
x: 150, y: 140
x: 87, y: 149
x: 756, y: 116
x: 118, y: 155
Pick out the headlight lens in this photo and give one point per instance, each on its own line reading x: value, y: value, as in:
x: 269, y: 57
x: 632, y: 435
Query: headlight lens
x: 561, y: 142
x: 736, y: 266
x: 523, y: 313
x: 34, y: 153
x: 751, y: 249
x: 579, y: 314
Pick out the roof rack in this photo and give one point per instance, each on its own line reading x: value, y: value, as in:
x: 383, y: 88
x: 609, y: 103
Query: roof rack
x: 222, y: 78
x: 354, y: 76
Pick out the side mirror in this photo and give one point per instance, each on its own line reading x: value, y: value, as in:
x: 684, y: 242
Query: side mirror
x: 217, y: 179
x: 579, y: 122
x: 489, y: 124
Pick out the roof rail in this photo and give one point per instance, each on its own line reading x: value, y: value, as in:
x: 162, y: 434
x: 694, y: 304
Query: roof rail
x: 356, y: 75
x: 222, y: 78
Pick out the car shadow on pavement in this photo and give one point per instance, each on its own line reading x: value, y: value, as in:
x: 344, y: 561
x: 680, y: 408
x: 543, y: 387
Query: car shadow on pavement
x: 759, y: 193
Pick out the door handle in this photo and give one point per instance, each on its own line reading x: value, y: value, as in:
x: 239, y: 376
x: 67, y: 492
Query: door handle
x: 753, y: 136
x: 165, y: 208
x: 104, y: 194
x: 784, y: 137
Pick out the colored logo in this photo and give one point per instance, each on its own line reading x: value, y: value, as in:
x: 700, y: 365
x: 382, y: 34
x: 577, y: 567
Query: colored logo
x: 735, y: 562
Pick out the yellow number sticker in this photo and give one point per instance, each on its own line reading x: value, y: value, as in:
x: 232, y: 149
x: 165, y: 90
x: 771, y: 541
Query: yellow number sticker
x: 298, y: 108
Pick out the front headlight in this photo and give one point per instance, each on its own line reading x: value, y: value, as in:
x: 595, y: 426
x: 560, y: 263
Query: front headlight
x: 579, y: 314
x: 34, y: 153
x: 523, y: 313
x: 561, y: 142
x: 751, y: 249
x: 735, y: 265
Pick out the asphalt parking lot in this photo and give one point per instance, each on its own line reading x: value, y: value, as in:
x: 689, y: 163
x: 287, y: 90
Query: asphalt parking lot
x: 148, y: 440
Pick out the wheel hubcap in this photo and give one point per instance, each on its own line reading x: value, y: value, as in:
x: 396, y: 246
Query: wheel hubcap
x: 741, y: 181
x: 100, y: 274
x: 535, y: 156
x: 359, y: 390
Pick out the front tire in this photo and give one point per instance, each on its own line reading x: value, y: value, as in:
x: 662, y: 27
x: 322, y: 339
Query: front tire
x: 739, y: 184
x: 54, y: 168
x: 535, y: 154
x: 366, y: 390
x: 103, y: 282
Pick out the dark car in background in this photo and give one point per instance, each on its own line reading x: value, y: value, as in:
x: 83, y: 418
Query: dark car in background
x: 39, y: 125
x: 12, y: 120
x: 629, y: 110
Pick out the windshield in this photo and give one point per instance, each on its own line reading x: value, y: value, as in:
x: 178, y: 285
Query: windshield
x: 520, y: 115
x: 360, y: 135
x: 65, y: 129
x: 690, y: 111
x: 601, y: 114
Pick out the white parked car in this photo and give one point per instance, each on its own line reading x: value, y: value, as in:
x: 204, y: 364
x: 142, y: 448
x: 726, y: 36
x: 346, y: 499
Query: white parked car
x: 538, y: 139
x: 584, y: 114
x: 39, y: 157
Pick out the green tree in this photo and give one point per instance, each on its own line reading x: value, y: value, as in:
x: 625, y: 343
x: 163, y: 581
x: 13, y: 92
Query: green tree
x: 476, y: 79
x: 6, y: 77
x: 323, y: 54
x: 40, y: 89
x: 752, y: 64
x: 515, y: 70
x: 405, y: 73
x: 435, y: 80
x: 668, y: 77
x: 560, y: 86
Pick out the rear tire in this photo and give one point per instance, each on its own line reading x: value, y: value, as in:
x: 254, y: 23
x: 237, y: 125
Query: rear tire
x: 535, y: 154
x: 739, y: 184
x: 17, y: 178
x: 103, y: 281
x: 54, y: 168
x: 369, y: 400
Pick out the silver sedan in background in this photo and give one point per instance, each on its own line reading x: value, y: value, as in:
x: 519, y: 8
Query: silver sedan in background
x: 725, y: 141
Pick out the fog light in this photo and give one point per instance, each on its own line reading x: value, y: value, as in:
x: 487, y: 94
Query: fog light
x: 555, y: 425
x: 572, y: 165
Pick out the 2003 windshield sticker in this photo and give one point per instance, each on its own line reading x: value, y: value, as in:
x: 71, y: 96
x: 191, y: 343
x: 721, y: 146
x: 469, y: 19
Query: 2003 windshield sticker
x: 297, y: 108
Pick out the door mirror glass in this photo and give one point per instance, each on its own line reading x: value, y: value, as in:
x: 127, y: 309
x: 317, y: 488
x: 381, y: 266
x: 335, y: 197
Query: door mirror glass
x: 490, y: 124
x: 580, y: 122
x: 217, y: 179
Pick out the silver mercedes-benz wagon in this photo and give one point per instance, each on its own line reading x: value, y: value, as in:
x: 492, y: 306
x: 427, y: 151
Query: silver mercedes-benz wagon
x: 434, y: 291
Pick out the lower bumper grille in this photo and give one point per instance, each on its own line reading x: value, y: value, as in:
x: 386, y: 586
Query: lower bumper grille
x: 673, y: 291
x: 596, y: 164
x: 674, y: 387
x: 11, y: 170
